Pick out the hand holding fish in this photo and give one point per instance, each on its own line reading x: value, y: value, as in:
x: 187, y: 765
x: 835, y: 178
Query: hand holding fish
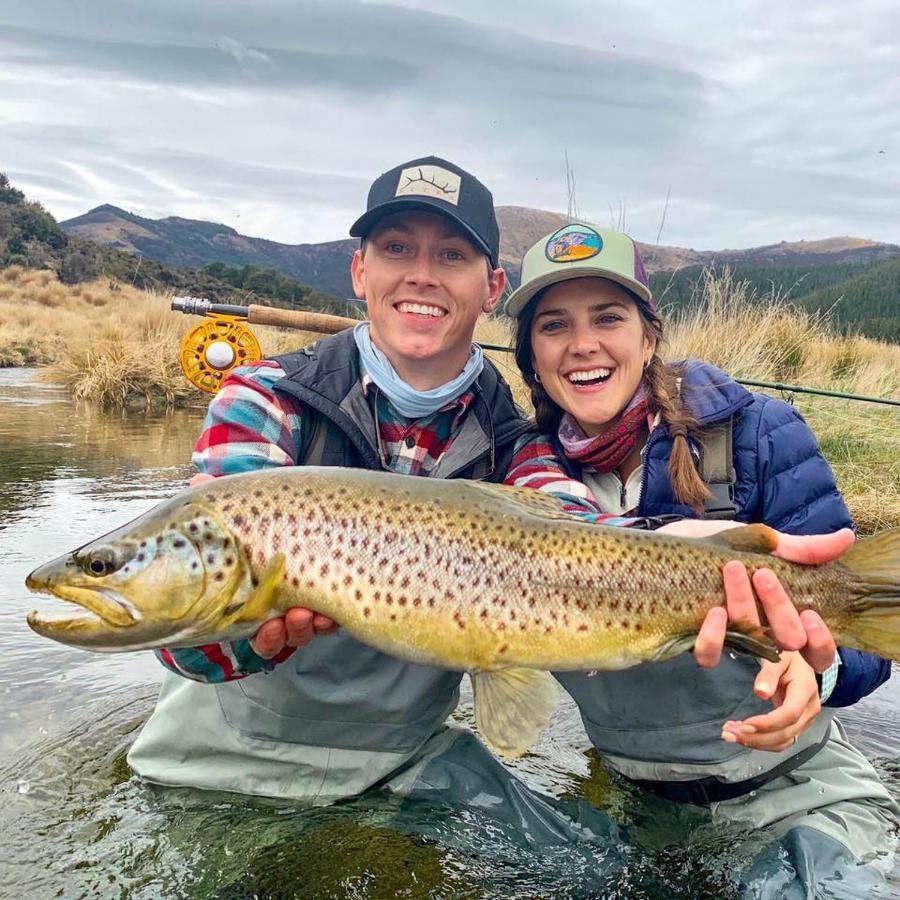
x: 792, y: 687
x: 790, y: 629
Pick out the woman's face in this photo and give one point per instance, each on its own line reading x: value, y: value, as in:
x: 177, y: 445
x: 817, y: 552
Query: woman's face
x: 589, y: 348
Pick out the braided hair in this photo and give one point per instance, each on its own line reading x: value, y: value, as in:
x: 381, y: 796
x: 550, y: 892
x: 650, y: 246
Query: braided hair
x: 662, y: 383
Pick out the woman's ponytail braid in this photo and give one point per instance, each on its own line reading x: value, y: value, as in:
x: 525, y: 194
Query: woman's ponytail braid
x: 662, y: 388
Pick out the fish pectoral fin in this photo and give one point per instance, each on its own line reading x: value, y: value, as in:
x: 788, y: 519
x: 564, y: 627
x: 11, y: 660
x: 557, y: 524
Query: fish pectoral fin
x: 747, y: 539
x: 258, y: 607
x: 742, y: 636
x: 512, y: 706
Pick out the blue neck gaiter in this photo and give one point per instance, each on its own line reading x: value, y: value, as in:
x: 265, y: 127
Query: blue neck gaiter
x: 410, y: 403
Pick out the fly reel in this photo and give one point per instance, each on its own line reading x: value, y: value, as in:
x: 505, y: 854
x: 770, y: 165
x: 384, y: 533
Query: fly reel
x: 210, y: 350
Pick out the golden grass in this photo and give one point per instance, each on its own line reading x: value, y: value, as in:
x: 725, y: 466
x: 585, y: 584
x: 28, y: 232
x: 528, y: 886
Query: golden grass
x: 113, y: 344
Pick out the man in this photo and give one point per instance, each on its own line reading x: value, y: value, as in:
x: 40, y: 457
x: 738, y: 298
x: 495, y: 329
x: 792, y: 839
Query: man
x: 409, y: 392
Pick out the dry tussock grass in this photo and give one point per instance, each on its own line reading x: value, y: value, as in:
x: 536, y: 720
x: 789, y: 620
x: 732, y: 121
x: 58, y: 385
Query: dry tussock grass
x: 111, y: 343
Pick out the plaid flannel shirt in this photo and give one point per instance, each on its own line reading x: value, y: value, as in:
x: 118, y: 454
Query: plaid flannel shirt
x: 250, y: 427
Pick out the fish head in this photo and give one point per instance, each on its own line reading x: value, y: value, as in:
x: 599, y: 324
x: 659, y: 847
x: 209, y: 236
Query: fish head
x: 169, y: 578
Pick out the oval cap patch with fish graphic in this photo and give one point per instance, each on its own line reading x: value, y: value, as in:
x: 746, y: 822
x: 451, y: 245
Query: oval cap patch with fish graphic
x: 573, y: 242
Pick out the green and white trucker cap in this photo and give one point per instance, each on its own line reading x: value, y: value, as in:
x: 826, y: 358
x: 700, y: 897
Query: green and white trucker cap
x: 581, y: 251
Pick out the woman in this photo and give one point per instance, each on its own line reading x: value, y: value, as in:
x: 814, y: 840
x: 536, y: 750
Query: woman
x: 630, y: 427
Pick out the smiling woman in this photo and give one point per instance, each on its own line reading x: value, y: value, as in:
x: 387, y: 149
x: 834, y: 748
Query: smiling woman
x: 633, y: 429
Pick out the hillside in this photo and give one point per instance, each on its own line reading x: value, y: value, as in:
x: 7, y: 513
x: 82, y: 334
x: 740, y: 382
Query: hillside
x: 190, y: 243
x: 182, y: 242
x: 869, y: 303
x: 31, y: 238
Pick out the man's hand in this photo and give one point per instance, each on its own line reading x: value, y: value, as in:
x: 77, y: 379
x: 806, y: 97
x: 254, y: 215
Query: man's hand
x: 295, y: 629
x: 789, y: 629
x: 792, y: 687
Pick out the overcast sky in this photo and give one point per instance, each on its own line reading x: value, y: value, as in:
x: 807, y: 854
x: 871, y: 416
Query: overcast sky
x: 762, y: 121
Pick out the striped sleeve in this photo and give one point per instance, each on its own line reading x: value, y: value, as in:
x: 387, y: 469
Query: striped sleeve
x: 535, y: 465
x: 215, y: 663
x: 248, y: 426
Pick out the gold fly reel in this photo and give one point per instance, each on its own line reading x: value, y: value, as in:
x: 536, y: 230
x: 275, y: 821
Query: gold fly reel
x: 215, y: 347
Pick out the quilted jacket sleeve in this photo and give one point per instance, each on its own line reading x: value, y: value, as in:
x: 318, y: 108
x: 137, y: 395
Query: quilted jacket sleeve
x: 799, y: 496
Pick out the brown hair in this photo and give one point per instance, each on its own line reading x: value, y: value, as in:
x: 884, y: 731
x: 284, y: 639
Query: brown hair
x: 661, y: 381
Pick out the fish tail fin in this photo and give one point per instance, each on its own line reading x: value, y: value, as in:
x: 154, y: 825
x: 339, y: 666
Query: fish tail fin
x: 512, y: 706
x: 874, y: 624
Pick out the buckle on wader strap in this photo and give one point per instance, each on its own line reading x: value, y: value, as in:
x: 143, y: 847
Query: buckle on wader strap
x: 705, y: 791
x: 717, y: 469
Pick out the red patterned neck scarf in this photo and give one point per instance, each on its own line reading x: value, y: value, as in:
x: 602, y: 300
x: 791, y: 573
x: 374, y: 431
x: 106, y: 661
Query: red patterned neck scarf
x: 609, y: 449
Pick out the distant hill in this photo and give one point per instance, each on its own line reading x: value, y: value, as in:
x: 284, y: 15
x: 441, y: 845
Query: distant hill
x: 191, y: 243
x: 31, y: 237
x: 868, y: 303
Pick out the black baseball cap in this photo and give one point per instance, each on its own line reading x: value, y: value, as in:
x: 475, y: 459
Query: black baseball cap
x: 433, y: 184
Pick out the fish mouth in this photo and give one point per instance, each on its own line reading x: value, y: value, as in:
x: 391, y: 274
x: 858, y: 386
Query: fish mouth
x: 99, y: 606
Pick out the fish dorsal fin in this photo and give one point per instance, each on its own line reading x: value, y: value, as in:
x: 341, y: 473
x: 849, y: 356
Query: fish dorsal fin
x: 512, y: 706
x: 747, y: 539
x: 500, y: 497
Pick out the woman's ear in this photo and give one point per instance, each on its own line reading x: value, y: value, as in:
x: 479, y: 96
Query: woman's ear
x: 649, y: 348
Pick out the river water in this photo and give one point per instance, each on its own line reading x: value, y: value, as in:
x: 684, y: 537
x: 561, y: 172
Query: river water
x: 75, y: 823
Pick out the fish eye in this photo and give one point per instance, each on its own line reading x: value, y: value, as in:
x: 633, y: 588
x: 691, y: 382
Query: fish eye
x: 100, y: 562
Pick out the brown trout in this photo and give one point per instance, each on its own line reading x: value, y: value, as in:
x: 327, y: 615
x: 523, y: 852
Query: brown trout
x: 494, y: 580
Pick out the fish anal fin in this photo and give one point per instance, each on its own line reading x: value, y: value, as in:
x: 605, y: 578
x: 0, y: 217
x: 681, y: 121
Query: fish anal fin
x: 748, y: 637
x: 747, y: 539
x: 259, y: 606
x: 512, y: 706
x: 741, y: 636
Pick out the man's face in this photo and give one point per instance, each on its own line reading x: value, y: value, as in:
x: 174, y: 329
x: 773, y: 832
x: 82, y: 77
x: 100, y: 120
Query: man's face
x: 425, y: 285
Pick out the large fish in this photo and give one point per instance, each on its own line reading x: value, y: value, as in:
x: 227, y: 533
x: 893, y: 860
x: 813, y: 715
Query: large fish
x: 458, y: 574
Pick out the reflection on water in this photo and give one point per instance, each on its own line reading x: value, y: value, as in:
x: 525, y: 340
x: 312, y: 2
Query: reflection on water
x: 74, y: 823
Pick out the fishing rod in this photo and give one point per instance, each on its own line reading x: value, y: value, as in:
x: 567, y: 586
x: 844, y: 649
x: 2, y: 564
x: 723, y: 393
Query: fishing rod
x: 212, y: 349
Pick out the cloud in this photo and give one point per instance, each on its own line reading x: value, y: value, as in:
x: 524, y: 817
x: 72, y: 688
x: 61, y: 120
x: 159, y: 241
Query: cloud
x: 274, y: 118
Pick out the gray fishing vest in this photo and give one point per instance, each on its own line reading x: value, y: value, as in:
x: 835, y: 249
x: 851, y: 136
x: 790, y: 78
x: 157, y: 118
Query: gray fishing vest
x: 337, y: 692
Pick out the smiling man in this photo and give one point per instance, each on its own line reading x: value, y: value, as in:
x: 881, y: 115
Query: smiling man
x: 406, y: 391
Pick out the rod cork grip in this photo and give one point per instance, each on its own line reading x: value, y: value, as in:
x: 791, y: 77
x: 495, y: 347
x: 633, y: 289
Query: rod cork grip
x: 320, y: 323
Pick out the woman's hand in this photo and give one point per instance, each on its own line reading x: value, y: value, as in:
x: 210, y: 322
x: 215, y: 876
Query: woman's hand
x: 295, y: 629
x: 791, y: 630
x: 791, y: 685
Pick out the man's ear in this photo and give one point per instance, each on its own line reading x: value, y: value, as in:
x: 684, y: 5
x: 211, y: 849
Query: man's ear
x: 358, y: 274
x: 496, y: 287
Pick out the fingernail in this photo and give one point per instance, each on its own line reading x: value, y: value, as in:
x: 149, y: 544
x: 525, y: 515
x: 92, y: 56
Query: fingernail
x: 728, y: 737
x: 764, y: 687
x: 747, y: 729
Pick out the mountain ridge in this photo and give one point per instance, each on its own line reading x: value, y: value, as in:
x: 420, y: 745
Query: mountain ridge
x: 192, y: 243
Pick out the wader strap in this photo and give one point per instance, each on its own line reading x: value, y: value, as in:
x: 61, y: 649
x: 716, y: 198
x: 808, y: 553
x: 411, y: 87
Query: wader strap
x: 312, y: 438
x: 704, y: 791
x: 717, y: 469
